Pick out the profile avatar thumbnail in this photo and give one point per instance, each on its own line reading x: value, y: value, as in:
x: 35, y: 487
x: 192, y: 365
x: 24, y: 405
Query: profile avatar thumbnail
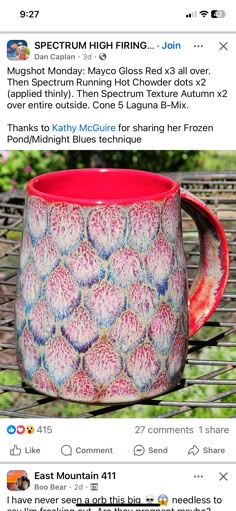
x: 17, y: 480
x: 17, y: 49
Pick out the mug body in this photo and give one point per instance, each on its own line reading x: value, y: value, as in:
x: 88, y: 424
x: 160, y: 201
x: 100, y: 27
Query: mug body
x: 101, y: 308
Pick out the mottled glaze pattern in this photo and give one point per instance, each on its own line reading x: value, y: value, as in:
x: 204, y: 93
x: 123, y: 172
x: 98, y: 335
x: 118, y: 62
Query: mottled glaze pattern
x: 102, y: 300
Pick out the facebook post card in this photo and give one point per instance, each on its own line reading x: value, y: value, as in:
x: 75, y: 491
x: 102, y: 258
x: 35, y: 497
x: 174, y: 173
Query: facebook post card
x: 117, y: 256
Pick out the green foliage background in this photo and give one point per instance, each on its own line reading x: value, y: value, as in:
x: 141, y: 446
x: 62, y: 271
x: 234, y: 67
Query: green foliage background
x: 18, y: 167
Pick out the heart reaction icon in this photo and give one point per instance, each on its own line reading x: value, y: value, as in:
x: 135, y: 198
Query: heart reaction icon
x: 20, y: 429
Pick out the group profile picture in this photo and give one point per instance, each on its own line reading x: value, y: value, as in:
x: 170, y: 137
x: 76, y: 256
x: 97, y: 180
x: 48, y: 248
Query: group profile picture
x: 17, y: 480
x: 17, y: 49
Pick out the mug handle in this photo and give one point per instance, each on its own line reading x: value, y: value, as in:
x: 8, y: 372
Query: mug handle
x: 211, y: 278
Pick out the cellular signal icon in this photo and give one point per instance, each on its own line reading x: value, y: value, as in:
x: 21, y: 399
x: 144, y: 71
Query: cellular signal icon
x: 192, y: 15
x: 204, y: 13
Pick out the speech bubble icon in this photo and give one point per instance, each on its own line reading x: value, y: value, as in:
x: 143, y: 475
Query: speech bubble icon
x: 139, y: 450
x: 66, y: 450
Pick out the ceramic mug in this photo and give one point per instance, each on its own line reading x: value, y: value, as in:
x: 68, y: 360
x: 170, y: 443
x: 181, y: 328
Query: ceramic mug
x: 103, y: 311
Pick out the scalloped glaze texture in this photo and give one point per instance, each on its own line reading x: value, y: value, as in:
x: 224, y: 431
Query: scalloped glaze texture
x: 102, y: 300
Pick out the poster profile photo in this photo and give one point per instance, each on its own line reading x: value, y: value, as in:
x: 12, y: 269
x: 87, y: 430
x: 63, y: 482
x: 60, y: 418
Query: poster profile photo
x: 17, y: 480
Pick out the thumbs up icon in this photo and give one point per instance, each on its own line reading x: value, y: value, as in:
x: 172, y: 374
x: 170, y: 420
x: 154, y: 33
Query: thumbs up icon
x: 16, y: 451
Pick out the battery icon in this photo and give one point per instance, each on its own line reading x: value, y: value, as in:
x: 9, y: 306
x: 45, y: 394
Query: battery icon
x: 218, y: 14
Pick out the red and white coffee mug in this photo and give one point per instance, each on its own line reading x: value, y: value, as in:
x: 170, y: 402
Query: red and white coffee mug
x: 103, y: 312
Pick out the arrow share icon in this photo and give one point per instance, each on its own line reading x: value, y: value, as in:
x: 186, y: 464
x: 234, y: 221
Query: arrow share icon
x: 194, y: 450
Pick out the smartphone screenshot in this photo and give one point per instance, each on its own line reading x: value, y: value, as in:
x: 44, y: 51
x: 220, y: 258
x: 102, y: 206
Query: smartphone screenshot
x: 117, y: 256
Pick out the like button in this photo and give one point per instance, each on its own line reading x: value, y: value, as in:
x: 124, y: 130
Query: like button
x: 16, y: 451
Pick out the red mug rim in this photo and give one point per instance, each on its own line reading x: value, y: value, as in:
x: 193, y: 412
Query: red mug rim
x: 96, y: 186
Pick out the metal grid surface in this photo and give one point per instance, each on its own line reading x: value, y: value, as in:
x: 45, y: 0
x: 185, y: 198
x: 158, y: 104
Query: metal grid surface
x: 204, y: 371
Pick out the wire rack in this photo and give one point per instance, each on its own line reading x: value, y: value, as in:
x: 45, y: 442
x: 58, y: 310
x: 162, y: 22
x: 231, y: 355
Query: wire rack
x: 208, y: 386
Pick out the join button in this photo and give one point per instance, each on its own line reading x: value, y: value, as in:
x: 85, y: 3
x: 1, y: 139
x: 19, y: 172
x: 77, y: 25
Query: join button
x: 171, y: 46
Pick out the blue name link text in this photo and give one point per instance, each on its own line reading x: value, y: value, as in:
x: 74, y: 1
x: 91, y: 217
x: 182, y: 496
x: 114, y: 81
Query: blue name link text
x: 96, y: 127
x: 72, y: 128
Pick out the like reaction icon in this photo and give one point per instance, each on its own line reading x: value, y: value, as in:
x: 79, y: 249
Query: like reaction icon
x: 11, y: 429
x: 15, y: 451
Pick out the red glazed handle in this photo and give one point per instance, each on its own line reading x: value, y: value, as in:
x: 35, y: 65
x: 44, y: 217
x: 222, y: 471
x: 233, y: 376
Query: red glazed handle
x: 210, y: 281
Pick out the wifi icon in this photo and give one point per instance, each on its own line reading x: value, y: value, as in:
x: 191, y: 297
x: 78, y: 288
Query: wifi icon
x: 204, y: 13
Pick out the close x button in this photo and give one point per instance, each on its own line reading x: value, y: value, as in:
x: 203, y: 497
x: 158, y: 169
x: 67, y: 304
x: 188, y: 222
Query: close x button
x: 223, y: 476
x: 223, y: 46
